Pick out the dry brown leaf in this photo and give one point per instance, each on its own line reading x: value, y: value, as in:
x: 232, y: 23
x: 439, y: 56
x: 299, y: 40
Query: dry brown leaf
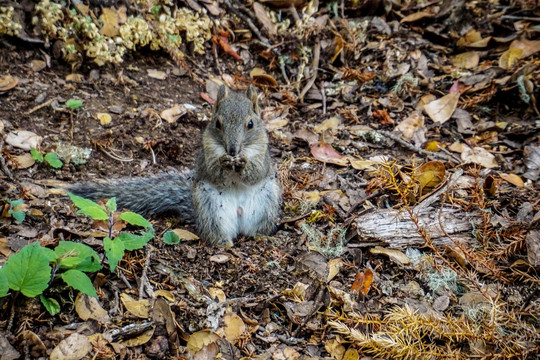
x: 185, y: 235
x: 74, y: 347
x: 199, y: 339
x: 165, y: 294
x: 172, y: 114
x: 156, y: 74
x: 23, y: 139
x: 358, y: 164
x: 23, y: 161
x: 326, y: 153
x: 529, y: 47
x: 8, y: 82
x: 480, y: 156
x: 416, y: 16
x: 139, y: 308
x: 264, y: 19
x: 442, y: 109
x: 510, y: 57
x: 362, y: 282
x: 335, y: 348
x: 412, y: 123
x: 37, y: 65
x: 429, y: 175
x: 260, y: 77
x: 139, y: 340
x: 88, y: 307
x: 104, y: 118
x: 234, y: 327
x: 466, y: 60
x: 74, y: 77
x: 457, y: 147
x: 513, y: 179
x: 109, y: 18
x: 351, y: 354
x: 217, y: 293
x: 395, y: 255
x: 334, y: 266
x: 474, y: 39
x: 328, y: 124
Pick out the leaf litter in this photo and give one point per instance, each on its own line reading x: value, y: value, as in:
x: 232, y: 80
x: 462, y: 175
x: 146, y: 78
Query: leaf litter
x: 407, y: 147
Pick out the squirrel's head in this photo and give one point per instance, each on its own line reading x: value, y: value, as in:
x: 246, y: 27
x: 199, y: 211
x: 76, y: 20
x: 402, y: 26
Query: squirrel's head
x: 236, y: 125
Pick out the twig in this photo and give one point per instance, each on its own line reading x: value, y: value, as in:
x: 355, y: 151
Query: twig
x: 411, y: 147
x: 5, y: 169
x: 36, y: 108
x: 314, y: 68
x: 144, y: 277
x: 264, y: 40
x: 323, y: 94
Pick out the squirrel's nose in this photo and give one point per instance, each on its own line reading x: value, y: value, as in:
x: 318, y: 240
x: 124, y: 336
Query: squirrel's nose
x: 233, y: 150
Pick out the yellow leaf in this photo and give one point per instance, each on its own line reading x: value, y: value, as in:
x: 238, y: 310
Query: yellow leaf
x: 466, y: 60
x: 139, y: 308
x: 110, y: 27
x: 513, y: 179
x: 510, y: 57
x: 234, y: 327
x: 199, y: 339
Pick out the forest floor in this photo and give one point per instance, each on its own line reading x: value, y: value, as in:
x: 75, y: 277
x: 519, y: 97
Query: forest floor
x: 408, y: 149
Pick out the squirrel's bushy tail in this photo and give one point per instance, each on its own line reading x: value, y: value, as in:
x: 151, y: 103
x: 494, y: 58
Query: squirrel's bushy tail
x: 168, y: 191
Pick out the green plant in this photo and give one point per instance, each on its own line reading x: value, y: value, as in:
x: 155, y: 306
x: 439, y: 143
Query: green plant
x: 170, y: 238
x: 14, y: 210
x: 34, y: 268
x: 50, y: 158
x: 116, y: 247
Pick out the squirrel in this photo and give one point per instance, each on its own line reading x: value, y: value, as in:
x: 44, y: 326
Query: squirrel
x: 232, y: 190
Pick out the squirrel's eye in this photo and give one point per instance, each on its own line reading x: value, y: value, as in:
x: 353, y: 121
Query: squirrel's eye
x: 218, y: 124
x: 250, y: 124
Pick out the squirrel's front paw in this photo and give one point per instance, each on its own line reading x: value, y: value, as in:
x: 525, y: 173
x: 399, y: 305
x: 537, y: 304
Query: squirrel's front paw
x: 239, y: 162
x: 226, y: 161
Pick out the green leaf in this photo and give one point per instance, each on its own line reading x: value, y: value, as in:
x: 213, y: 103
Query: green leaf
x: 36, y: 155
x: 135, y: 219
x: 133, y: 242
x: 4, y: 286
x: 53, y: 160
x: 77, y: 256
x: 111, y: 205
x: 52, y: 306
x: 74, y: 104
x: 28, y: 271
x: 79, y: 281
x: 15, y: 203
x: 171, y: 238
x: 88, y: 207
x: 114, y: 250
x: 18, y: 215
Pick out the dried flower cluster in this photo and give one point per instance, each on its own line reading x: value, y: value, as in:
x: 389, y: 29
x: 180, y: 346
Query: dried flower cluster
x: 7, y: 25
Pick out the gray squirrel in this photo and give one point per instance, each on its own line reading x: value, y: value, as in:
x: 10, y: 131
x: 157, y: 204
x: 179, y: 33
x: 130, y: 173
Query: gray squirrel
x: 233, y: 188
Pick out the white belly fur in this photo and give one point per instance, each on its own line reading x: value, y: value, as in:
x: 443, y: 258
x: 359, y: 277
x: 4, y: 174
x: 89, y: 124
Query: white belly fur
x: 240, y: 210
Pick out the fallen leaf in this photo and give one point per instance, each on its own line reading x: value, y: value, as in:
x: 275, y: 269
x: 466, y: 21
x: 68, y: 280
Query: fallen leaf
x: 466, y: 60
x: 326, y: 153
x: 185, y: 235
x: 139, y: 308
x: 335, y: 348
x: 8, y: 82
x: 37, y: 65
x: 104, y: 118
x: 223, y: 41
x: 234, y: 327
x: 528, y: 47
x: 78, y: 78
x: 199, y: 339
x: 23, y: 161
x: 510, y: 57
x: 480, y: 156
x: 23, y: 139
x: 88, y: 307
x: 156, y: 74
x: 473, y: 38
x: 74, y: 347
x: 441, y: 110
x: 334, y: 265
x: 395, y: 255
x: 513, y: 179
x: 172, y: 114
x: 433, y: 146
x: 412, y: 123
x: 358, y: 164
x: 362, y: 282
x: 264, y: 19
x: 139, y: 340
x: 328, y: 124
x: 458, y: 147
x: 109, y: 18
x: 429, y: 175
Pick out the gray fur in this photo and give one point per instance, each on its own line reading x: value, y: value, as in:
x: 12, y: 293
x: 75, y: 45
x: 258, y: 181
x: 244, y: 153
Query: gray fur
x: 232, y: 190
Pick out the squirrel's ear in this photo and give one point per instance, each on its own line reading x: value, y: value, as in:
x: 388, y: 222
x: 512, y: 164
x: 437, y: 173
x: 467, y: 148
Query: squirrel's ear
x: 223, y: 92
x: 252, y: 95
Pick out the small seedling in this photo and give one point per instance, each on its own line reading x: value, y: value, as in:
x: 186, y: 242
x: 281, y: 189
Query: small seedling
x: 74, y: 104
x: 116, y: 247
x: 17, y: 214
x: 50, y: 158
x: 170, y: 238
